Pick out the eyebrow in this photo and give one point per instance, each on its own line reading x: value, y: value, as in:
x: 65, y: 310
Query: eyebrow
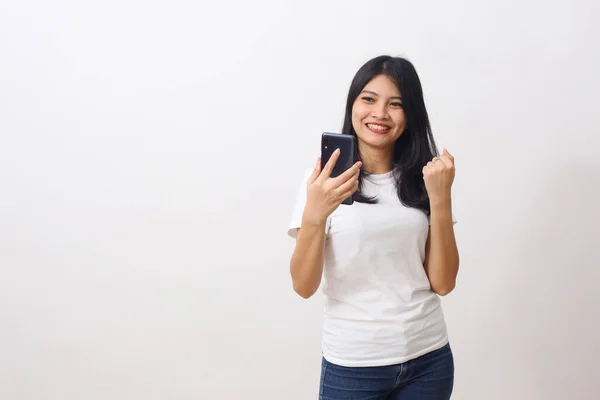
x: 375, y: 94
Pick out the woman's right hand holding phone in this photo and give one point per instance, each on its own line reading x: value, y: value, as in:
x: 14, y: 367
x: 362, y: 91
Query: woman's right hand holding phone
x: 324, y: 194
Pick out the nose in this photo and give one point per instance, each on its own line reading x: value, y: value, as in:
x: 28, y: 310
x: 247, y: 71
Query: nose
x: 379, y: 111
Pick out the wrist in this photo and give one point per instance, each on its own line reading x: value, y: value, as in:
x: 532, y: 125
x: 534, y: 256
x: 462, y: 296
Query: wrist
x: 441, y: 203
x: 313, y: 222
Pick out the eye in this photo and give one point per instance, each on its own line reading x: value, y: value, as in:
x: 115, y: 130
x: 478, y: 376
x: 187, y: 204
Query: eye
x: 396, y: 104
x: 368, y: 99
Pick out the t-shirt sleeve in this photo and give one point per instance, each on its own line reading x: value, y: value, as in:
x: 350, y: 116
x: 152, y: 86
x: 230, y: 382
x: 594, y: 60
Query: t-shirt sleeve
x: 299, y: 203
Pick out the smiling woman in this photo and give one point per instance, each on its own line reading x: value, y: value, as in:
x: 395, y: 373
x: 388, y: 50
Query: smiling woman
x: 387, y: 91
x: 379, y: 110
x: 387, y: 257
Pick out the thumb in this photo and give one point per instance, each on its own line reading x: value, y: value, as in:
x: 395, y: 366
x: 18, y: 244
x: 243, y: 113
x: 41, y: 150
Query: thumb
x: 316, y: 172
x: 447, y: 153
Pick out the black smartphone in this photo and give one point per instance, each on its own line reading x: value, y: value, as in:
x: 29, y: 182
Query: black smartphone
x: 348, y: 156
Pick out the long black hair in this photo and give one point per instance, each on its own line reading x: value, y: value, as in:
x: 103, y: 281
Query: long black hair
x: 415, y: 147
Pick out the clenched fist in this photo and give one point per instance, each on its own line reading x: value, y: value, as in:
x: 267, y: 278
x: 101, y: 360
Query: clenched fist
x: 439, y: 175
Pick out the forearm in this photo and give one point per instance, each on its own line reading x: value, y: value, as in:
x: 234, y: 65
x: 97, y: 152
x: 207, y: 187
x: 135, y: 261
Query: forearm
x: 306, y: 265
x: 442, y: 261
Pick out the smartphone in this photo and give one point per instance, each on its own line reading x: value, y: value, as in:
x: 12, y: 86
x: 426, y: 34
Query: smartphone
x: 348, y: 156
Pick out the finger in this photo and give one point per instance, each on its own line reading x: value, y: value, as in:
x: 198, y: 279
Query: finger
x: 436, y: 163
x: 348, y: 174
x: 436, y: 159
x: 345, y: 186
x: 316, y: 171
x: 326, y: 173
x: 350, y: 191
x: 447, y: 162
x: 447, y: 153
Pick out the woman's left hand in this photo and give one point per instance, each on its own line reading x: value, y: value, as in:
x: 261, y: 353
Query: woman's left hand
x: 439, y: 175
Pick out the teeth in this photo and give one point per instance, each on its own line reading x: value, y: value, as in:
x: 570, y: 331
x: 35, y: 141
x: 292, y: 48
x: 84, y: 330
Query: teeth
x: 377, y: 127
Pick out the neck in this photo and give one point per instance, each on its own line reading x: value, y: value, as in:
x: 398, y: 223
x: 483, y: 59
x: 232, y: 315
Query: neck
x: 377, y: 161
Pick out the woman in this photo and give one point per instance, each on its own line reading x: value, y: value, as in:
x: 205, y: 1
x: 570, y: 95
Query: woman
x: 388, y: 257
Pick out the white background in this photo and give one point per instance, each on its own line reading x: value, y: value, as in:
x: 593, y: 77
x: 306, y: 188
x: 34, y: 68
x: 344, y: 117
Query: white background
x: 150, y: 153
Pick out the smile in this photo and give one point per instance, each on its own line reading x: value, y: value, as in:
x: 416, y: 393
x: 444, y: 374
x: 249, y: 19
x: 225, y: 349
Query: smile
x: 377, y: 128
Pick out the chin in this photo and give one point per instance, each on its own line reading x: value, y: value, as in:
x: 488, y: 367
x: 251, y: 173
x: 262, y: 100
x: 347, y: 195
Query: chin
x: 376, y: 140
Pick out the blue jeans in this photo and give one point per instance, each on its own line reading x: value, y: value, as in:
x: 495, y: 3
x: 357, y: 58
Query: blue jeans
x: 429, y: 377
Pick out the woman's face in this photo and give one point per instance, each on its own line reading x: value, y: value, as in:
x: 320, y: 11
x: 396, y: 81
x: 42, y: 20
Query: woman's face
x: 377, y: 114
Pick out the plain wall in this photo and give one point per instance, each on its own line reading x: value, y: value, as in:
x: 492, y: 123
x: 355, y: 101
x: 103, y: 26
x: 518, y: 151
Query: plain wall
x: 150, y: 153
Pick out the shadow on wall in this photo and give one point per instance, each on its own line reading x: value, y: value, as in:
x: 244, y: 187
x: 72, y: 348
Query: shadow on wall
x: 551, y: 300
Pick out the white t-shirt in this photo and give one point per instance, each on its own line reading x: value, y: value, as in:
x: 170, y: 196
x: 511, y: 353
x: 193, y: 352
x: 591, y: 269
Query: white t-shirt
x: 379, y: 307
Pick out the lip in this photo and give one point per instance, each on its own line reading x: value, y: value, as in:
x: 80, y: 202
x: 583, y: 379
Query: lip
x: 388, y: 128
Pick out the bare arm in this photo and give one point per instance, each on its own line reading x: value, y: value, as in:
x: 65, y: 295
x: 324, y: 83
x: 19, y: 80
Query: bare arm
x: 324, y: 195
x: 441, y: 259
x: 306, y: 266
x: 441, y: 253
